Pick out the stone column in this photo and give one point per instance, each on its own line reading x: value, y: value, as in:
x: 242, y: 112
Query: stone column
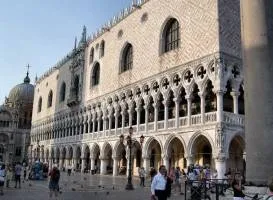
x: 83, y: 164
x: 66, y: 162
x: 116, y: 121
x: 166, y: 161
x: 122, y: 120
x: 94, y: 124
x: 188, y: 97
x: 166, y: 114
x: 115, y: 166
x: 219, y: 114
x: 220, y: 166
x: 60, y: 163
x: 146, y: 164
x: 257, y: 35
x: 146, y: 118
x: 50, y: 160
x: 74, y: 163
x: 177, y: 102
x: 104, y: 123
x: 138, y: 116
x: 110, y: 121
x: 235, y: 96
x: 76, y: 129
x: 130, y: 116
x: 155, y: 115
x: 73, y: 130
x: 202, y: 105
x: 98, y: 121
x: 103, y: 166
x: 92, y: 163
x: 89, y: 126
x: 190, y: 160
x: 84, y: 127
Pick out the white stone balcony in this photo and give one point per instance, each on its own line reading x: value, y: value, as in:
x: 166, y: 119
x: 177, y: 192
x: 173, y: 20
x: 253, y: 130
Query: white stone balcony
x: 209, y: 118
x: 234, y: 119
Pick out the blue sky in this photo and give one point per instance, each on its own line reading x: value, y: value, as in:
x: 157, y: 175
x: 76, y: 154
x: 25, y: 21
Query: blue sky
x: 41, y: 32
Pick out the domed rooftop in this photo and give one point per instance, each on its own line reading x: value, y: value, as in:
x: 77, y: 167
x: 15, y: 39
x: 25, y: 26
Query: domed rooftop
x: 23, y: 92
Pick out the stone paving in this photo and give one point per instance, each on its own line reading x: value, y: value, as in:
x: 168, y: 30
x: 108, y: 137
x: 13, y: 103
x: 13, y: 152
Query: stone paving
x: 87, y: 186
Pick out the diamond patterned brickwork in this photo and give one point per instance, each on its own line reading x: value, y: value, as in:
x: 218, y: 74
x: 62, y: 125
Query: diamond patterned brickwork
x: 230, y: 27
x: 199, y: 37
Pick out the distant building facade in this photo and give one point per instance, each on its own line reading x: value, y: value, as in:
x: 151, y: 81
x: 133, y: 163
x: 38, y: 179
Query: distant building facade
x: 170, y: 69
x: 15, y: 123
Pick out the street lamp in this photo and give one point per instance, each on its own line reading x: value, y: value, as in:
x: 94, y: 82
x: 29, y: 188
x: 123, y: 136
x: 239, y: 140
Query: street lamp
x: 129, y: 185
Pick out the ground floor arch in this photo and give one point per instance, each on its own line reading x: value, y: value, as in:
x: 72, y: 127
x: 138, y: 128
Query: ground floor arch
x: 201, y: 151
x: 106, y: 159
x: 176, y: 153
x: 235, y: 158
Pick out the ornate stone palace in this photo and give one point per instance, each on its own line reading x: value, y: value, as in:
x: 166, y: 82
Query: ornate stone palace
x: 169, y: 69
x: 15, y: 123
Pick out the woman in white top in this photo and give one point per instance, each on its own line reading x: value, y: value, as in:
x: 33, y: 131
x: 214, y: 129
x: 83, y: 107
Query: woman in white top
x: 158, y: 185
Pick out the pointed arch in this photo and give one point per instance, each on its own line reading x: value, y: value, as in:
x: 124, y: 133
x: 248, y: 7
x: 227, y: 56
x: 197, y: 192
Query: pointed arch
x: 62, y: 92
x: 170, y: 35
x: 49, y: 99
x: 126, y: 58
x: 40, y: 103
x: 193, y: 139
x: 95, y: 78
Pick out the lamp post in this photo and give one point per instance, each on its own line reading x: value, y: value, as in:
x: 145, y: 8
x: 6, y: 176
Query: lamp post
x: 129, y: 185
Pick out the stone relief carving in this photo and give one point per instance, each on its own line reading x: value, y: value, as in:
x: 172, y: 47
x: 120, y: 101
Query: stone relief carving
x: 220, y: 136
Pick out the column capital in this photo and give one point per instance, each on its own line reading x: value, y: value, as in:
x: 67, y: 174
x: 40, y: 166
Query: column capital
x: 164, y: 156
x: 219, y: 91
x: 188, y: 97
x: 220, y: 157
x: 235, y: 93
x: 202, y: 94
x: 177, y: 99
x: 115, y: 157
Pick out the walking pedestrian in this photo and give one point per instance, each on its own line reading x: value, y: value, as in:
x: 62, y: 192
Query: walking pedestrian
x: 178, y: 180
x: 158, y: 186
x: 152, y: 173
x: 2, y: 179
x: 8, y: 176
x: 54, y: 182
x: 237, y: 187
x: 18, y: 170
x: 142, y: 175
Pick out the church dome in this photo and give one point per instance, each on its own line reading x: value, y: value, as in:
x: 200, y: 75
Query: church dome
x: 23, y: 92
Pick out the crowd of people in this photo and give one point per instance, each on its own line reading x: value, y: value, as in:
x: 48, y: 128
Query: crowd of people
x: 14, y: 173
x: 163, y: 182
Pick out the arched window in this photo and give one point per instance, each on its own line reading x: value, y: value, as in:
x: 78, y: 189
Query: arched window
x: 62, y: 92
x: 91, y: 59
x: 102, y: 47
x: 40, y: 104
x: 127, y: 58
x: 49, y: 100
x: 96, y: 74
x: 171, y: 35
